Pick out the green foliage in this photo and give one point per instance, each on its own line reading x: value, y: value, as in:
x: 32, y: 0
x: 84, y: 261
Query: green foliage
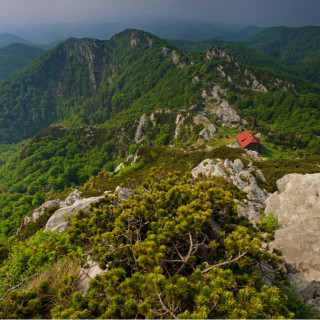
x: 13, y: 208
x: 199, y: 46
x: 16, y: 56
x: 268, y: 223
x: 292, y: 50
x: 163, y: 260
x: 33, y: 227
x: 36, y: 299
x: 30, y: 257
x: 288, y: 114
x: 275, y: 169
x: 288, y: 44
x: 297, y: 306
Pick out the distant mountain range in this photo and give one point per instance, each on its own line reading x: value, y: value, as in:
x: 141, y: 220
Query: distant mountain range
x: 7, y: 38
x: 16, y: 56
x: 291, y: 50
x: 163, y: 27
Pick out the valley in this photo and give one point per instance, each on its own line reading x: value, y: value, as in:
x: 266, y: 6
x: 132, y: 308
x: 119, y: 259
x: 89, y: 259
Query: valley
x: 127, y: 147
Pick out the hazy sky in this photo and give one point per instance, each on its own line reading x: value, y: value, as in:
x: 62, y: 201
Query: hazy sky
x: 256, y: 12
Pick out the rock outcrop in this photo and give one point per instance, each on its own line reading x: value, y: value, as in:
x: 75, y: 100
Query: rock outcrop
x: 176, y: 59
x: 297, y: 207
x: 50, y: 205
x: 235, y: 173
x: 59, y: 220
x: 226, y: 114
x: 139, y: 136
x: 209, y: 130
x: 123, y: 193
x: 87, y: 273
x: 216, y: 52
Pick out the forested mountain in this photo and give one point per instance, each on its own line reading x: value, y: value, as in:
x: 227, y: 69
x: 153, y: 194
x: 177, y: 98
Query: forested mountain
x: 294, y: 51
x: 288, y: 44
x: 91, y: 82
x: 100, y: 116
x: 7, y: 38
x: 199, y: 46
x: 16, y: 56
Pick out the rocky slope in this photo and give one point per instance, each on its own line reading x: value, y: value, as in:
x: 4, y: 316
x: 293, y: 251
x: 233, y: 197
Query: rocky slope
x: 297, y: 208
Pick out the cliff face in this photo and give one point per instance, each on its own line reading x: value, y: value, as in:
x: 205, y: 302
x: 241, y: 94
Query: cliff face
x: 297, y: 208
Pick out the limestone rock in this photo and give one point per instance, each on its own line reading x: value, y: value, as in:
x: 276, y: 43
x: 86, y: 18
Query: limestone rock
x: 243, y: 179
x: 253, y: 155
x: 58, y: 221
x: 257, y: 86
x: 179, y: 122
x: 123, y: 193
x: 37, y: 213
x: 135, y: 158
x: 206, y: 168
x: 297, y: 207
x: 130, y: 157
x: 226, y: 113
x: 260, y: 175
x: 297, y: 201
x: 176, y: 59
x: 255, y: 194
x: 200, y: 119
x: 139, y: 137
x: 73, y: 197
x: 119, y: 167
x: 87, y: 274
x: 208, y: 132
x: 216, y: 52
x: 165, y: 51
x: 219, y: 172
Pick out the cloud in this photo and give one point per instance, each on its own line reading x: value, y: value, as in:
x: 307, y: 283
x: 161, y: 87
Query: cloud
x: 260, y: 12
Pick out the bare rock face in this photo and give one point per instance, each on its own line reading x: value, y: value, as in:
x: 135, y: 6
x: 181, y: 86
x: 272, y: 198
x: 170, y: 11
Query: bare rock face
x: 139, y: 137
x: 176, y: 59
x: 73, y: 197
x: 216, y: 52
x: 225, y: 113
x: 243, y: 179
x: 123, y: 193
x: 253, y: 155
x: 88, y: 273
x: 200, y: 119
x: 119, y: 167
x: 38, y: 212
x: 297, y: 208
x: 179, y: 121
x: 58, y: 221
x: 208, y: 132
x: 206, y: 168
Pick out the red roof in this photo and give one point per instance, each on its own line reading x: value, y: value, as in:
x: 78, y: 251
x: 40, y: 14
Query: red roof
x: 245, y: 138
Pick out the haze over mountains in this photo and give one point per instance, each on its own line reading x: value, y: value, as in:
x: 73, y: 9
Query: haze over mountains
x: 163, y: 27
x: 89, y: 120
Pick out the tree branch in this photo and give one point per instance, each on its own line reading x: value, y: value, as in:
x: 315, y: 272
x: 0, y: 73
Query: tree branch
x: 165, y: 307
x: 229, y: 261
x: 16, y: 287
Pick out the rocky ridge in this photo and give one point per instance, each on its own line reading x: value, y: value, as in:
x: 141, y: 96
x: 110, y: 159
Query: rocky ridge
x: 296, y: 206
x: 63, y: 210
x: 242, y: 178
